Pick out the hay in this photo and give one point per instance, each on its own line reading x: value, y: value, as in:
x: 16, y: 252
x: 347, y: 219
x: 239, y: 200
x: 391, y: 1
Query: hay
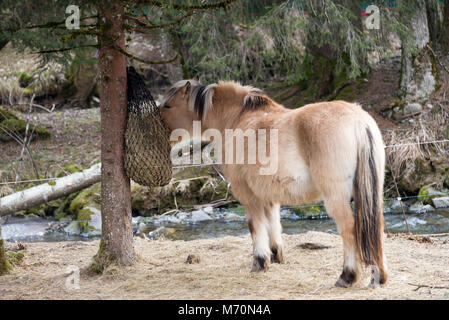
x: 161, y: 271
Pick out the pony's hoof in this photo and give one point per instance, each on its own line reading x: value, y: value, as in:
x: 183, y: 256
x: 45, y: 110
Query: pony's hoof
x: 276, y: 256
x: 342, y: 283
x: 347, y: 279
x: 260, y: 264
x: 277, y: 259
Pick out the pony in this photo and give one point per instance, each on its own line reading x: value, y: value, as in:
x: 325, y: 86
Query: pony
x: 329, y: 151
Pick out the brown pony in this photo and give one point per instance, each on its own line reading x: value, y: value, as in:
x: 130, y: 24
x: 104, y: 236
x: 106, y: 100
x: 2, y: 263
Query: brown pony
x: 330, y: 151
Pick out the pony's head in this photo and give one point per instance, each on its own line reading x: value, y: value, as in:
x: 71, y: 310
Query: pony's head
x: 186, y: 101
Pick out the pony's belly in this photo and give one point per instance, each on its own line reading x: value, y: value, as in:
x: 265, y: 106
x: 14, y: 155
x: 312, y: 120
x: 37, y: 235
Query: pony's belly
x: 292, y: 185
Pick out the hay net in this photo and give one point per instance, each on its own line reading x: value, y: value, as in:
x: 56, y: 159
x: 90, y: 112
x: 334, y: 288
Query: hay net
x: 147, y: 146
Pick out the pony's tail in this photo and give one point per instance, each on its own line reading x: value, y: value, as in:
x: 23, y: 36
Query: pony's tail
x: 368, y: 198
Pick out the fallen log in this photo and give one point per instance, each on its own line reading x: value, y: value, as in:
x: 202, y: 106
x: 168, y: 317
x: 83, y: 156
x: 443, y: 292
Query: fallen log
x: 49, y: 191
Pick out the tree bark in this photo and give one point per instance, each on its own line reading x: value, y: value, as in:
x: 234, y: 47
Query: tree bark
x: 434, y: 20
x: 445, y: 33
x: 5, y: 266
x: 46, y: 192
x: 117, y: 235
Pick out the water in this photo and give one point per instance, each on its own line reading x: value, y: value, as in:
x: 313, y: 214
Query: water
x: 35, y: 229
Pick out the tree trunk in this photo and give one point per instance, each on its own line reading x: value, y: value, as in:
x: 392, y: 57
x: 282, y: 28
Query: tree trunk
x: 418, y: 80
x: 46, y: 192
x: 434, y: 19
x: 445, y: 32
x: 117, y: 235
x: 5, y: 266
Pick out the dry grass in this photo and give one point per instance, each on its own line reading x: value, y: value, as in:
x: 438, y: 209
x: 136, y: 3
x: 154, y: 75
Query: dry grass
x: 223, y: 272
x: 429, y: 127
x: 12, y: 63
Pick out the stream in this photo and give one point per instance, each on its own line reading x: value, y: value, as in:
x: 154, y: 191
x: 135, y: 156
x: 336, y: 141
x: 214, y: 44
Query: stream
x: 37, y: 229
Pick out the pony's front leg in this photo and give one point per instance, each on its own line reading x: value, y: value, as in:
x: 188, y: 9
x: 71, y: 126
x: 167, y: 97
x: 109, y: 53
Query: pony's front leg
x: 258, y: 226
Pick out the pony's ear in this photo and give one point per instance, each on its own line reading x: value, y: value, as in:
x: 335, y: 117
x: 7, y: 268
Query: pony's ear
x: 187, y: 87
x: 196, y: 78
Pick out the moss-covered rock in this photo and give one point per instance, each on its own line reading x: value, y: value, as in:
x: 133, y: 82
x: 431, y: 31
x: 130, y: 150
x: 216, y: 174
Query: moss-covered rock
x: 19, y: 126
x: 190, y: 187
x: 427, y: 193
x: 87, y: 197
x: 309, y: 210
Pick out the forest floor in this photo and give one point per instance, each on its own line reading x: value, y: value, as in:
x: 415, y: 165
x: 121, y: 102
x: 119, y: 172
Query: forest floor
x: 161, y: 271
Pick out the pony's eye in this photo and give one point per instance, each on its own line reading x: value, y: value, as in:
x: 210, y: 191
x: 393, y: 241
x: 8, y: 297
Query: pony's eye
x: 167, y: 107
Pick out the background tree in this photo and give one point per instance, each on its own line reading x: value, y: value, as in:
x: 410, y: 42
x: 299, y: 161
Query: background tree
x: 418, y: 74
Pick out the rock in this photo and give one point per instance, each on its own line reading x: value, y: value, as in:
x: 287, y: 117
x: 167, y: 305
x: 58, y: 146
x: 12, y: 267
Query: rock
x: 95, y: 218
x: 308, y: 210
x: 427, y: 193
x: 161, y: 233
x: 442, y: 202
x: 419, y: 207
x: 395, y: 205
x: 182, y: 215
x: 142, y: 226
x: 169, y: 219
x: 193, y: 258
x: 199, y: 216
x: 208, y: 210
x: 233, y: 217
x: 412, y: 108
x: 73, y: 229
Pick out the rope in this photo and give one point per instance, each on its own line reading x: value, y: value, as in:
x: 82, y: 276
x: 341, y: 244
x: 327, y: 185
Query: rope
x: 211, y: 164
x: 416, y: 143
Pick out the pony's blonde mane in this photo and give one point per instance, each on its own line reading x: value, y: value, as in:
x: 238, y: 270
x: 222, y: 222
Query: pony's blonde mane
x: 200, y: 99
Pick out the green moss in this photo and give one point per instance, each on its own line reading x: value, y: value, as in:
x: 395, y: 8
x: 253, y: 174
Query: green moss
x: 347, y: 94
x: 309, y: 211
x: 25, y: 79
x: 36, y: 211
x: 84, y: 215
x: 15, y: 258
x: 5, y: 265
x: 52, y: 183
x: 6, y: 114
x: 19, y: 126
x: 68, y: 169
x: 85, y: 197
x: 102, y: 259
x: 427, y: 193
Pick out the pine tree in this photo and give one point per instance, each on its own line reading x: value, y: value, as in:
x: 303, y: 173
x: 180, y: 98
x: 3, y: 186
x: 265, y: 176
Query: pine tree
x: 104, y: 29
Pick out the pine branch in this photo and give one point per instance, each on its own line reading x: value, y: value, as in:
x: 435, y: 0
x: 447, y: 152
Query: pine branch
x: 66, y: 49
x: 205, y: 6
x: 148, y: 26
x: 49, y: 25
x: 129, y: 55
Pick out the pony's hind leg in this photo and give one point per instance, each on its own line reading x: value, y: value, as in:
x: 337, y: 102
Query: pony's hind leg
x: 272, y: 212
x: 340, y: 211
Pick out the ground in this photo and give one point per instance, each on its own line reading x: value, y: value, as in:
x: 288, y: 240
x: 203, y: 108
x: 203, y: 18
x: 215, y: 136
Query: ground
x: 161, y: 271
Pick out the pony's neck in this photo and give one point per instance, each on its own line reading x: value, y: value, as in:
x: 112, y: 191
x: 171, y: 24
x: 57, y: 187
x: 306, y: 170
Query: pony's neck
x: 228, y: 106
